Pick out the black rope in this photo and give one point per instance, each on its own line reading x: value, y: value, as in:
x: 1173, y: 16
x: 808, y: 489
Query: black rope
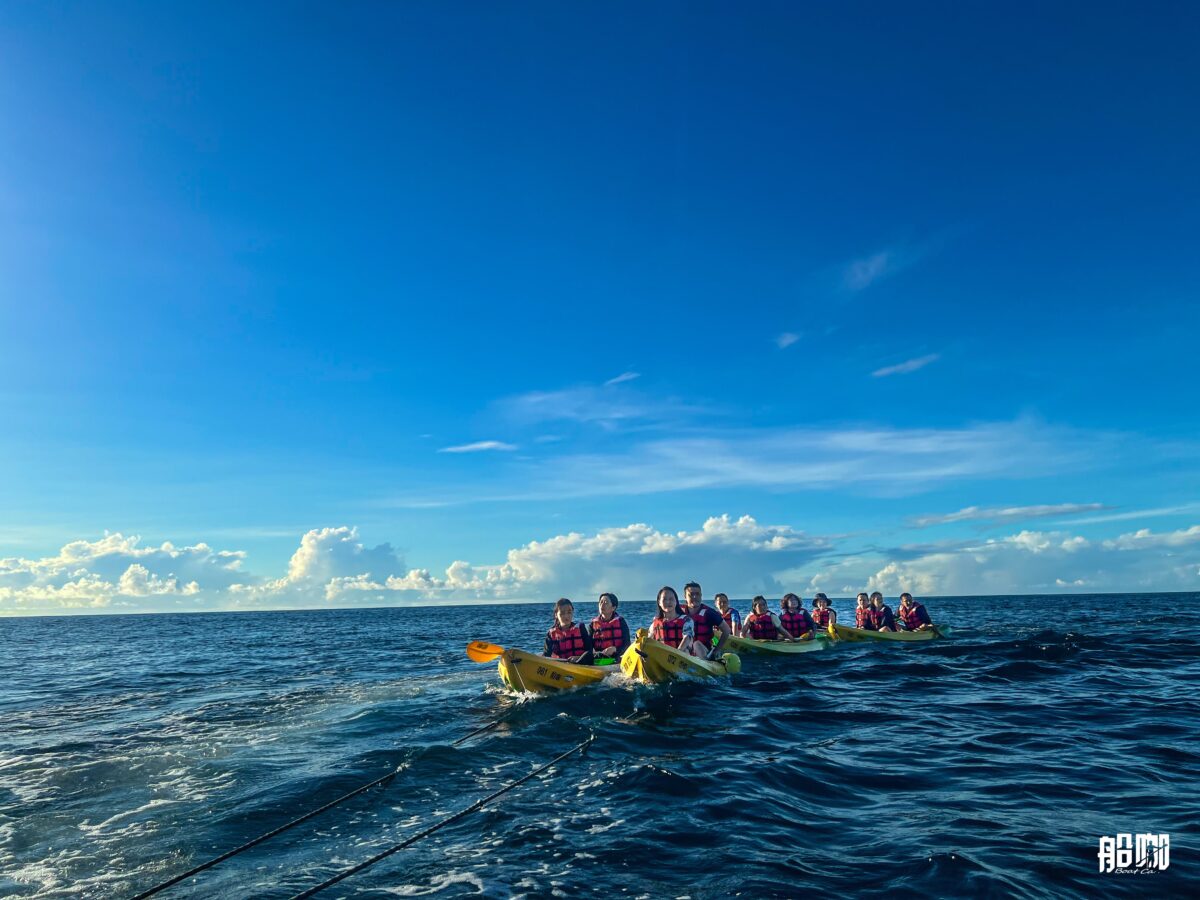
x: 292, y: 824
x: 408, y: 842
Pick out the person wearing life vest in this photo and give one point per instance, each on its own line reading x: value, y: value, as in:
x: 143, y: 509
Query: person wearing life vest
x: 764, y: 625
x: 823, y: 615
x: 610, y: 631
x: 706, y: 622
x: 913, y: 615
x: 862, y: 613
x: 795, y: 618
x: 732, y: 617
x: 568, y: 640
x: 671, y: 625
x: 882, y: 617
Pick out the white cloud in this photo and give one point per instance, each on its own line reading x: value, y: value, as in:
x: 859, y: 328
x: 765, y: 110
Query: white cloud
x: 1005, y: 513
x: 479, y: 447
x: 786, y: 339
x: 884, y: 460
x: 610, y: 406
x: 910, y: 365
x: 862, y: 273
x: 622, y: 378
x: 333, y: 566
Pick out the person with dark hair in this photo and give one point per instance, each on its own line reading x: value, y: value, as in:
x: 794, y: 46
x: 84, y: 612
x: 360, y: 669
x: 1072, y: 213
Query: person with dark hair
x: 610, y: 631
x: 862, y: 612
x: 822, y: 614
x: 913, y: 615
x: 764, y: 625
x: 732, y: 617
x: 671, y: 626
x: 795, y: 618
x: 882, y: 618
x: 706, y: 622
x: 567, y: 639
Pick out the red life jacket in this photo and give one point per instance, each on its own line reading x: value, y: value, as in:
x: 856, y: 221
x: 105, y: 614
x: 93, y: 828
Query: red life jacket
x: 568, y: 642
x: 703, y: 630
x: 762, y: 628
x: 796, y: 623
x: 877, y: 617
x: 911, y: 618
x: 668, y: 631
x: 821, y: 617
x: 728, y: 617
x: 862, y: 617
x: 606, y: 634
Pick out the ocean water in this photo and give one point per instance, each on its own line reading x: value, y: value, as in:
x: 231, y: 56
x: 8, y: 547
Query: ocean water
x: 989, y: 764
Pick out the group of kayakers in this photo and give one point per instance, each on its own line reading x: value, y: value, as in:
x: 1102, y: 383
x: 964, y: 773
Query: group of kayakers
x: 696, y: 628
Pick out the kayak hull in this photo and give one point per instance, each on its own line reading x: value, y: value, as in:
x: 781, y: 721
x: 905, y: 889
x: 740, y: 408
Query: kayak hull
x: 652, y: 662
x: 530, y: 673
x: 846, y: 633
x: 775, y: 648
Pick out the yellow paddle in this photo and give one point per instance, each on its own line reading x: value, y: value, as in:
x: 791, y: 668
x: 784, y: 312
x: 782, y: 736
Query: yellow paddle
x: 482, y: 651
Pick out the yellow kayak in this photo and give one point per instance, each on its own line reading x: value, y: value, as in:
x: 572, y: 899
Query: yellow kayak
x: 846, y: 633
x: 653, y: 662
x: 772, y: 648
x: 528, y: 672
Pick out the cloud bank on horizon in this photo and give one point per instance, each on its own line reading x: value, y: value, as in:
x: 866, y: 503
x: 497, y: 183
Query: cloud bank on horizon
x: 333, y: 567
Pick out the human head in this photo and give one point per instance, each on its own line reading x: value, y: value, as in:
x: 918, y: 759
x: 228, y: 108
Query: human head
x: 906, y: 599
x: 877, y: 599
x: 607, y: 605
x: 722, y: 601
x: 564, y: 612
x: 863, y: 599
x: 789, y: 601
x: 692, y: 594
x: 759, y: 605
x: 820, y: 600
x: 668, y: 605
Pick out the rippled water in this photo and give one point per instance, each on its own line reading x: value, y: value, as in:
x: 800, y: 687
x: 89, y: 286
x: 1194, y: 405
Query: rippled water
x: 989, y: 764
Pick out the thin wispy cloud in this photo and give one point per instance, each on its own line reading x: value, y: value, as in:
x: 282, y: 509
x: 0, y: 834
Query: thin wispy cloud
x: 786, y: 340
x: 1005, y: 513
x: 910, y: 365
x: 1131, y: 514
x: 479, y: 447
x: 611, y: 407
x: 622, y: 378
x: 862, y: 273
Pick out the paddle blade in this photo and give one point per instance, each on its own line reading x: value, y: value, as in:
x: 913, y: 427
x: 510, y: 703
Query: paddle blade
x: 482, y: 651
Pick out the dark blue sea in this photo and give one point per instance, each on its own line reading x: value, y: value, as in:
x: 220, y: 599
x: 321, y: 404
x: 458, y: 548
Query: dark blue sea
x: 985, y: 765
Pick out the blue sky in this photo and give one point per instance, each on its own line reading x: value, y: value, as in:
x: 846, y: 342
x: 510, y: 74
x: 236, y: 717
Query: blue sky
x: 847, y: 270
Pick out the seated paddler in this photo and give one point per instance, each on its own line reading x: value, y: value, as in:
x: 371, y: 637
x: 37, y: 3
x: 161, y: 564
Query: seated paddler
x: 610, y: 631
x: 762, y: 624
x: 567, y: 639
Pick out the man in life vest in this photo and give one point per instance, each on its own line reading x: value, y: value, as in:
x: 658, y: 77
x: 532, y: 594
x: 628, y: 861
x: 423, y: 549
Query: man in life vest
x: 732, y: 617
x: 567, y: 640
x: 672, y: 625
x: 862, y: 613
x: 822, y: 614
x: 764, y: 625
x: 913, y: 615
x: 706, y: 622
x: 882, y: 617
x: 795, y: 618
x: 610, y: 631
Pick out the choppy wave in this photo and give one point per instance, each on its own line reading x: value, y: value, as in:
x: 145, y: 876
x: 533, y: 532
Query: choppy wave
x: 985, y: 765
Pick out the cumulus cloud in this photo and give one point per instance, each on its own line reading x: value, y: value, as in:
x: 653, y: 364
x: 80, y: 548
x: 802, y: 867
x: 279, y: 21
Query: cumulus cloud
x: 1005, y: 513
x: 335, y: 567
x: 478, y: 447
x: 115, y: 572
x: 1031, y: 562
x: 910, y: 365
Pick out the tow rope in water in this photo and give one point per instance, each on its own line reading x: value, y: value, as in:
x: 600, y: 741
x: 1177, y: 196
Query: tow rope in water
x: 408, y: 842
x: 292, y: 824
